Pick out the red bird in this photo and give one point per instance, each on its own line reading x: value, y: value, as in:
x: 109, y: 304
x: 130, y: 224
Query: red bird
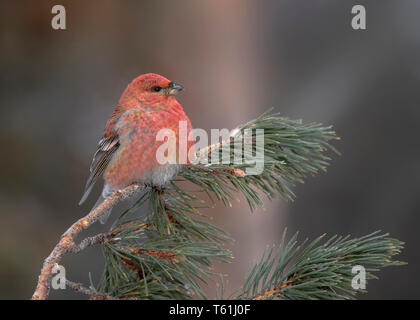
x: 126, y: 153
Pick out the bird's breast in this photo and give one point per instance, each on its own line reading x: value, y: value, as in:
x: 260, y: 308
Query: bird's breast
x: 136, y: 158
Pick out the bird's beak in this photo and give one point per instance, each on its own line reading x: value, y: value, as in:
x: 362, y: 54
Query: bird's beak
x: 174, y: 88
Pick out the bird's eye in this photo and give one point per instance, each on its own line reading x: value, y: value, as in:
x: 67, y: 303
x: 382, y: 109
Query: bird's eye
x: 157, y: 89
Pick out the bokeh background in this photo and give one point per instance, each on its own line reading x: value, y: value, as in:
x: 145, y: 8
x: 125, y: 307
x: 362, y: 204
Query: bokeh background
x: 236, y: 60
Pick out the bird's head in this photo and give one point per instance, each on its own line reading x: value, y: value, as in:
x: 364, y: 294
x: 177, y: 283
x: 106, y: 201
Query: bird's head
x: 152, y: 88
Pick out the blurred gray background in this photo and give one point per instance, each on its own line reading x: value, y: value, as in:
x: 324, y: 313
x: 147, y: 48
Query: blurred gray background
x: 236, y: 60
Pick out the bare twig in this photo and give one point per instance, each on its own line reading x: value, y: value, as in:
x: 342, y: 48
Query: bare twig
x: 66, y: 243
x: 93, y: 295
x: 89, y: 241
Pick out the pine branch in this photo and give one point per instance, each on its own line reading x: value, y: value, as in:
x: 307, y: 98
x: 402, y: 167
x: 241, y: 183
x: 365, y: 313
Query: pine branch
x: 291, y: 150
x: 318, y: 271
x: 169, y: 253
x: 171, y: 228
x: 66, y: 243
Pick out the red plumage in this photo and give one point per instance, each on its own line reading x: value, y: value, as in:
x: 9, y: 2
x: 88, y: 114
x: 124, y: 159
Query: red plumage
x: 127, y: 152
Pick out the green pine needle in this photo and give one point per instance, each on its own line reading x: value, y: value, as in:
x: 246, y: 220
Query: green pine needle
x: 168, y: 254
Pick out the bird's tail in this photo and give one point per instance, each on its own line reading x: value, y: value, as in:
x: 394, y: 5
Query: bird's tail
x: 103, y: 219
x: 106, y: 191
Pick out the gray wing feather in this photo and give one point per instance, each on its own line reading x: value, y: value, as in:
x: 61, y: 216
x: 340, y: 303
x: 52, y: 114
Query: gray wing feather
x: 101, y: 158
